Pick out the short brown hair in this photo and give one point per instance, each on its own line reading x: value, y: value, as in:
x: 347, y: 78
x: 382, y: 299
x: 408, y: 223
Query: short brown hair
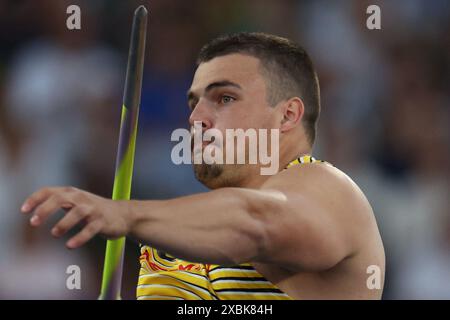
x: 285, y: 64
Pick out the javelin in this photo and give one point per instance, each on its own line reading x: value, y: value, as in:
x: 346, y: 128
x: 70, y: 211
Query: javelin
x: 112, y: 270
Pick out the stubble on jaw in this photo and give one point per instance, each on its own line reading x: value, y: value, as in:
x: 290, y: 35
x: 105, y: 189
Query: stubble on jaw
x: 208, y: 174
x: 216, y: 176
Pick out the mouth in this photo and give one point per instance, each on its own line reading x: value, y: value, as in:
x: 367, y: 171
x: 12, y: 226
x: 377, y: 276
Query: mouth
x: 197, y: 148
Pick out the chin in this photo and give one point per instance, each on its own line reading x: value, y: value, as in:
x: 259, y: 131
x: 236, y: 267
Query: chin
x: 213, y: 176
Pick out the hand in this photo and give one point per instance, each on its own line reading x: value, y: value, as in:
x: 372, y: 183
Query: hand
x: 100, y: 215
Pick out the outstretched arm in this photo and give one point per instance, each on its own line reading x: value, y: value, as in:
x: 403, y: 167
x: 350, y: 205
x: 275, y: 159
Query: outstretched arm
x: 293, y: 219
x: 217, y: 226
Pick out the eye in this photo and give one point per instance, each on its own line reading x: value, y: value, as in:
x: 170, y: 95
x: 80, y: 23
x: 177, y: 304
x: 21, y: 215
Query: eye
x: 226, y: 99
x: 191, y: 104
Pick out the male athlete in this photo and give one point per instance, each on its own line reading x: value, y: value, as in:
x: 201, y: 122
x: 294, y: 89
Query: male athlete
x: 307, y: 232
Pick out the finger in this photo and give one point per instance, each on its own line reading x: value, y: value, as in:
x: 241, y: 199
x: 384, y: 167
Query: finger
x: 36, y: 198
x: 70, y: 220
x: 41, y: 195
x: 49, y: 207
x: 88, y: 232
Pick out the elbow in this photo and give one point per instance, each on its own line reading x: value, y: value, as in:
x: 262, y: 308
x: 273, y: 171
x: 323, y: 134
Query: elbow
x: 255, y: 228
x: 252, y: 242
x: 249, y: 244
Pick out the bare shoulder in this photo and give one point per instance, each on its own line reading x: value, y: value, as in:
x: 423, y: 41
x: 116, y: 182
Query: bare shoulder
x: 341, y: 238
x: 329, y: 190
x: 319, y: 179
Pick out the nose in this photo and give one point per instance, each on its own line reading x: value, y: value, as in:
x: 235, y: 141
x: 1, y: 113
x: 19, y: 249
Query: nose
x: 203, y: 114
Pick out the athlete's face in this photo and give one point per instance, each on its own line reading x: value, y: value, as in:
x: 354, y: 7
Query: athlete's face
x: 229, y: 92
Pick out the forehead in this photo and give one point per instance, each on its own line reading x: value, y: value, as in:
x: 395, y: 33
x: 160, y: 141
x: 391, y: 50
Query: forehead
x: 239, y: 68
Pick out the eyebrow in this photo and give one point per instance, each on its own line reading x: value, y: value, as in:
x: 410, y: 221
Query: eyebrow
x: 217, y: 84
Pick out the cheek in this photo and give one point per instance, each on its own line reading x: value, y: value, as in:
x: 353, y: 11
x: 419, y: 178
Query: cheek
x: 233, y: 117
x: 244, y: 116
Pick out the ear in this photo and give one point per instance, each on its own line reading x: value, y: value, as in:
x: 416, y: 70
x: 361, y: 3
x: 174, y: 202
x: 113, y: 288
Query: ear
x: 293, y: 110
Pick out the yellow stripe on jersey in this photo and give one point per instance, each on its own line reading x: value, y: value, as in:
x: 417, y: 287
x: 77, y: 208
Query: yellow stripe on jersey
x: 164, y: 277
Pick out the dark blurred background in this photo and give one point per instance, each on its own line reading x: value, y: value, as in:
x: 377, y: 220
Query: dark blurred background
x: 385, y: 121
